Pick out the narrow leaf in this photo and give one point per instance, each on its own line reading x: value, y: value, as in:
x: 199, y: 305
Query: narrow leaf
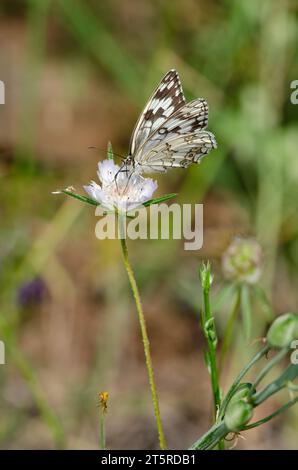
x: 110, y: 154
x: 159, y: 199
x: 86, y: 199
x: 289, y: 374
x: 222, y: 296
x: 264, y: 301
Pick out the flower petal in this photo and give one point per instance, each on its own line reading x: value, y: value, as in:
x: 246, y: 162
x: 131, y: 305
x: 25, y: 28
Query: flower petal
x: 107, y: 171
x: 94, y: 191
x: 120, y: 189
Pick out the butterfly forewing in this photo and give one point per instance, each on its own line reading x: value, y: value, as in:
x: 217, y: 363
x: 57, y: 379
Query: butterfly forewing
x: 166, y: 100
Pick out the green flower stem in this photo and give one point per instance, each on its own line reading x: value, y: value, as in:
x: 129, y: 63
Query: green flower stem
x: 269, y: 417
x: 211, y: 338
x: 238, y: 379
x: 228, y: 332
x: 270, y: 365
x: 102, y: 437
x: 208, y: 327
x: 146, y: 343
x: 214, y: 436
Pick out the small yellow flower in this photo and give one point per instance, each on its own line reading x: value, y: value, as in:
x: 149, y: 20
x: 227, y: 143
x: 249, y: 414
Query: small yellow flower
x: 103, y: 401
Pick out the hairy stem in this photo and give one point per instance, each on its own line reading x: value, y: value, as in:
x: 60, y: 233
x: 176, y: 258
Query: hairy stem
x: 102, y: 438
x: 145, y: 339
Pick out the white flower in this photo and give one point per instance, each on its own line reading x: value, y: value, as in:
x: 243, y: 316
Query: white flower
x: 120, y: 190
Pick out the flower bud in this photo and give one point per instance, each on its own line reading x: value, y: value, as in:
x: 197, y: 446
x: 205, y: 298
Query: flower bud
x: 238, y: 414
x: 245, y: 390
x: 206, y: 276
x: 283, y: 330
x: 242, y: 261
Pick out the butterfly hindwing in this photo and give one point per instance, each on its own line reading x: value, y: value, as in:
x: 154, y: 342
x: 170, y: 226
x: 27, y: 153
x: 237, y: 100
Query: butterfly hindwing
x: 179, y: 151
x: 166, y: 100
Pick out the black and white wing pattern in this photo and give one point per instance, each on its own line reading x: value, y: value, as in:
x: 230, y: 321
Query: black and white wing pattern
x: 178, y: 152
x: 171, y: 133
x: 166, y: 100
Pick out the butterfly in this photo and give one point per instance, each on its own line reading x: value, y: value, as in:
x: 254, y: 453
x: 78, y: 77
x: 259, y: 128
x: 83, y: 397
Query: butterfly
x: 169, y: 133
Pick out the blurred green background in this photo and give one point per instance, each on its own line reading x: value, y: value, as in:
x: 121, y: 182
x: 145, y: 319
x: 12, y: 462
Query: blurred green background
x: 77, y: 74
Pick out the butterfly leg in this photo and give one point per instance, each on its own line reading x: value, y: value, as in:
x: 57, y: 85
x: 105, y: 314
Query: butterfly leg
x: 123, y: 169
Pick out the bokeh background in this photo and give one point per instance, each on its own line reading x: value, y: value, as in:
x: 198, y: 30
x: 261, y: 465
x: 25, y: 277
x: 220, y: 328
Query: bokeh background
x: 77, y: 74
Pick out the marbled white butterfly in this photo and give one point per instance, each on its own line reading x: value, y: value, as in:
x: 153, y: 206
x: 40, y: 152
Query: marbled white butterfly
x: 169, y: 133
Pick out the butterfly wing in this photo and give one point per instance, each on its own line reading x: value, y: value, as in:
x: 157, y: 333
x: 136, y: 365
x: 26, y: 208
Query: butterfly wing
x: 180, y: 151
x: 179, y: 141
x: 166, y: 100
x: 189, y: 118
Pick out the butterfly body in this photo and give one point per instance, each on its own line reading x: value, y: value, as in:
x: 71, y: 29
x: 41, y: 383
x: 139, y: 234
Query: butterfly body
x: 170, y: 133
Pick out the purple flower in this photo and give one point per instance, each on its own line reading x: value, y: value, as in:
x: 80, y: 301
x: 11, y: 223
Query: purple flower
x: 31, y: 292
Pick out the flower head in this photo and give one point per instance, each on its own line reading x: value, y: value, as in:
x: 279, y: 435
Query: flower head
x: 103, y: 401
x: 120, y: 190
x: 242, y: 261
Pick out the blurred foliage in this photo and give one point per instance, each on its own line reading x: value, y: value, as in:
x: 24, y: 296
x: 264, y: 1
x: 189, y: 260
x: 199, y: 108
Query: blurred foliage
x: 77, y: 74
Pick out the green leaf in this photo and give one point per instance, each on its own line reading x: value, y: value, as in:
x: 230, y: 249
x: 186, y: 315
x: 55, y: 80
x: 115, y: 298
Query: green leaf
x: 110, y: 154
x: 264, y: 301
x: 159, y: 199
x: 268, y: 418
x: 88, y: 200
x: 207, y: 361
x: 223, y: 295
x: 289, y: 375
x: 81, y: 198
